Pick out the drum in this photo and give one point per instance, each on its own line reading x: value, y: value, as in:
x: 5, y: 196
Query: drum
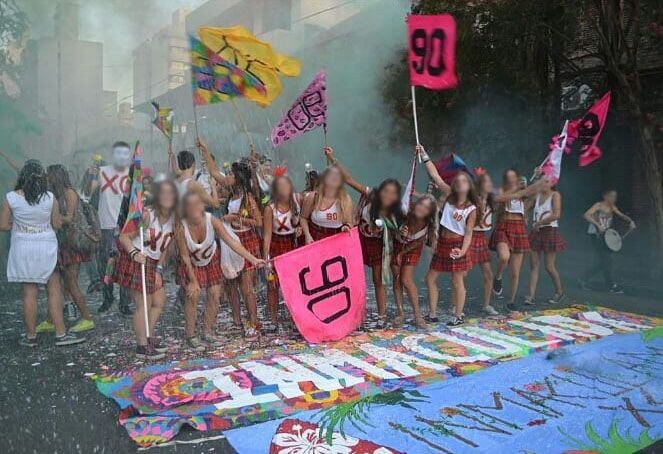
x: 613, y: 240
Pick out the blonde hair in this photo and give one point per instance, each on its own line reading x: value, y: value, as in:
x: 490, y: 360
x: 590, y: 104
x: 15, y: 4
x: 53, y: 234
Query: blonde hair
x: 343, y: 197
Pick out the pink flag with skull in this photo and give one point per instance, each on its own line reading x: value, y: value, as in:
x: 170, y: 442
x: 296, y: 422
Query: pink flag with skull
x: 306, y: 114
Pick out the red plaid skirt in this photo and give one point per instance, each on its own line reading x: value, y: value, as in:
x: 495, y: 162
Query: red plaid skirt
x: 479, y: 252
x: 251, y: 242
x: 207, y: 276
x: 410, y: 258
x: 281, y: 244
x: 127, y: 274
x: 513, y: 233
x: 546, y: 239
x: 371, y: 249
x: 318, y: 233
x: 442, y: 260
x: 68, y: 257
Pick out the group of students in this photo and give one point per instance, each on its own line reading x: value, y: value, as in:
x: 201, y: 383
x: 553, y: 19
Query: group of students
x: 219, y: 229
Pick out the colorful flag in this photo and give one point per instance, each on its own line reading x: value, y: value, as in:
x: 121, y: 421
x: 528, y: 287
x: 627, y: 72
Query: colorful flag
x: 238, y: 46
x: 585, y: 132
x: 135, y: 212
x: 552, y: 166
x: 450, y: 165
x: 163, y: 119
x: 215, y: 79
x: 324, y: 286
x: 307, y: 113
x: 406, y: 200
x: 432, y: 51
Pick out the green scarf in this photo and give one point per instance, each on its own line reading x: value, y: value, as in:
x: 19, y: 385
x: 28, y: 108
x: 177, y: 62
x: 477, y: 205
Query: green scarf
x: 387, y: 224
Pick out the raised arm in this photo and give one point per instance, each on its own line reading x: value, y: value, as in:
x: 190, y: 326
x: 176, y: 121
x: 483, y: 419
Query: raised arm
x: 349, y: 179
x: 212, y: 168
x: 235, y: 245
x: 172, y: 162
x: 207, y: 199
x: 432, y: 170
x: 520, y: 193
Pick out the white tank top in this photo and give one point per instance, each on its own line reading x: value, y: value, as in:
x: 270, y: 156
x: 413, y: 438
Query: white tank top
x: 182, y: 187
x: 157, y: 236
x: 201, y: 253
x: 487, y: 221
x: 329, y: 218
x: 234, y: 206
x: 542, y: 210
x: 112, y: 187
x: 284, y: 223
x: 365, y: 226
x: 515, y: 206
x: 455, y: 219
x: 411, y: 237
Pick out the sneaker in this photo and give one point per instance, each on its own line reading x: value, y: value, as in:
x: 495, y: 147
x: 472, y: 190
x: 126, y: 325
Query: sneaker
x: 251, y: 332
x: 143, y: 352
x: 93, y: 287
x: 455, y: 321
x: 71, y: 312
x: 490, y: 310
x: 45, y: 327
x: 497, y: 286
x: 157, y: 346
x: 25, y: 341
x: 430, y: 319
x: 210, y: 340
x: 528, y: 301
x: 68, y: 339
x: 194, y: 344
x: 381, y: 323
x: 125, y: 310
x: 511, y: 307
x: 556, y: 299
x: 616, y: 289
x: 82, y: 325
x: 105, y: 307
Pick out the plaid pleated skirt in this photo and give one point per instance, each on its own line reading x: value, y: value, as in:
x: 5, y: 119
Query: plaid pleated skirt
x: 127, y: 274
x: 546, y: 239
x: 251, y: 242
x: 371, y: 249
x: 280, y: 244
x: 68, y: 257
x: 207, y: 276
x: 442, y: 260
x: 410, y: 258
x: 513, y: 233
x: 318, y: 233
x: 479, y: 251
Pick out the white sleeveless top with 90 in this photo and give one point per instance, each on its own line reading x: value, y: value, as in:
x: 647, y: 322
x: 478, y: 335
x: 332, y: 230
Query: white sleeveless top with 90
x: 515, y: 206
x: 329, y: 218
x: 233, y: 208
x: 542, y: 210
x: 157, y: 236
x: 455, y: 219
x: 201, y: 254
x: 284, y: 223
x: 487, y: 221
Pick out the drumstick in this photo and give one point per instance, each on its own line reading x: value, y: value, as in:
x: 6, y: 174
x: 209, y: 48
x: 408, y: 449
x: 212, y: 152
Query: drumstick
x: 627, y: 234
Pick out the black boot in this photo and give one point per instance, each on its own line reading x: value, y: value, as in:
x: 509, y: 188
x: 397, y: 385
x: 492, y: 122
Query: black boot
x: 107, y: 304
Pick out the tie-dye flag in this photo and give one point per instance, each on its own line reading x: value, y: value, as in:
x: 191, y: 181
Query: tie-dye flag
x: 307, y: 113
x: 215, y: 79
x: 163, y: 119
x: 134, y: 220
x: 450, y: 165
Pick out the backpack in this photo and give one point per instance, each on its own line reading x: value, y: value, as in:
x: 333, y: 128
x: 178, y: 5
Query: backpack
x: 84, y: 233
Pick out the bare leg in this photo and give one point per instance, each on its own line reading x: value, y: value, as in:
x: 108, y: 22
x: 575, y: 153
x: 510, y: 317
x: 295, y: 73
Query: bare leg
x: 71, y: 285
x: 54, y: 297
x: 458, y: 287
x: 514, y: 275
x: 139, y: 317
x: 191, y: 314
x: 503, y: 257
x: 398, y: 293
x: 156, y: 302
x: 549, y: 258
x: 233, y: 295
x: 534, y: 262
x: 433, y: 292
x: 211, y: 308
x: 273, y: 300
x: 487, y: 272
x: 380, y: 291
x: 407, y: 280
x: 30, y: 296
x: 246, y: 287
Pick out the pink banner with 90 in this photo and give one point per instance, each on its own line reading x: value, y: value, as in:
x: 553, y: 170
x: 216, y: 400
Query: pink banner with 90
x: 432, y: 51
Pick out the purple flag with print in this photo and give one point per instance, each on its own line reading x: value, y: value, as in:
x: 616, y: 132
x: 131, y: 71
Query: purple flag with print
x: 307, y: 113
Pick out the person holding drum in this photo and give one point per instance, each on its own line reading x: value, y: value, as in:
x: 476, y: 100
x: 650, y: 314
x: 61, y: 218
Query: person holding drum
x: 600, y: 217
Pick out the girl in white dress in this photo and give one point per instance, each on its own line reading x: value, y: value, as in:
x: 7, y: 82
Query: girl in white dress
x: 32, y: 213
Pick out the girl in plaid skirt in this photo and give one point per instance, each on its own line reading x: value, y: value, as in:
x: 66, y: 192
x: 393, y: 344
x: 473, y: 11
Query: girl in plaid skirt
x: 158, y: 233
x: 244, y: 217
x: 545, y: 239
x: 281, y: 233
x: 420, y: 226
x: 200, y: 266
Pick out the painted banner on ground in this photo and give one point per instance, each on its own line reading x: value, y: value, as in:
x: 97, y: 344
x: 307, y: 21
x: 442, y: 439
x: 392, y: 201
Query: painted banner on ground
x: 307, y: 113
x: 432, y: 51
x: 264, y: 385
x: 324, y: 286
x: 604, y: 396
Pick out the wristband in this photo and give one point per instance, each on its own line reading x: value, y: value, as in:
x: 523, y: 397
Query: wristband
x: 346, y: 225
x: 159, y: 268
x: 133, y: 252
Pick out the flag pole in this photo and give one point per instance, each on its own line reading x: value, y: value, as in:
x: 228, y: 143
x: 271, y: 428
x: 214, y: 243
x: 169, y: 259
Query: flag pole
x: 414, y: 116
x: 324, y: 129
x: 241, y: 120
x: 142, y: 276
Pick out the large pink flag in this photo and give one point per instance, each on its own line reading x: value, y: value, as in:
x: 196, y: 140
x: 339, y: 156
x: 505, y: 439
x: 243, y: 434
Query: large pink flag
x: 432, y: 51
x: 308, y: 112
x: 324, y: 286
x: 587, y: 130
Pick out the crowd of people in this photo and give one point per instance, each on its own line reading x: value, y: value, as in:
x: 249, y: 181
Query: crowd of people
x: 215, y: 226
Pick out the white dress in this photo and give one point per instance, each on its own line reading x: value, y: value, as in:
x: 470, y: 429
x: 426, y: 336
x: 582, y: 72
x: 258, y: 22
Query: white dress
x: 33, y: 253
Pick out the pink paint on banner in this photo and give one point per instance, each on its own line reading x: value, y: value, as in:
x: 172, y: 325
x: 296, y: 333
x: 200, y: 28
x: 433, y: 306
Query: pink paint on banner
x: 308, y: 112
x: 324, y: 286
x: 585, y: 132
x: 432, y: 51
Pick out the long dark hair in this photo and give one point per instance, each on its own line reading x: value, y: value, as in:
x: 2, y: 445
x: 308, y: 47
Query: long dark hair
x: 490, y: 202
x: 432, y: 221
x: 394, y: 210
x: 58, y: 180
x: 32, y: 181
x: 242, y: 173
x: 472, y: 195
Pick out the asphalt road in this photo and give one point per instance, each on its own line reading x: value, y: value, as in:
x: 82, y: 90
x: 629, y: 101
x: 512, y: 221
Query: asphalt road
x: 47, y: 403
